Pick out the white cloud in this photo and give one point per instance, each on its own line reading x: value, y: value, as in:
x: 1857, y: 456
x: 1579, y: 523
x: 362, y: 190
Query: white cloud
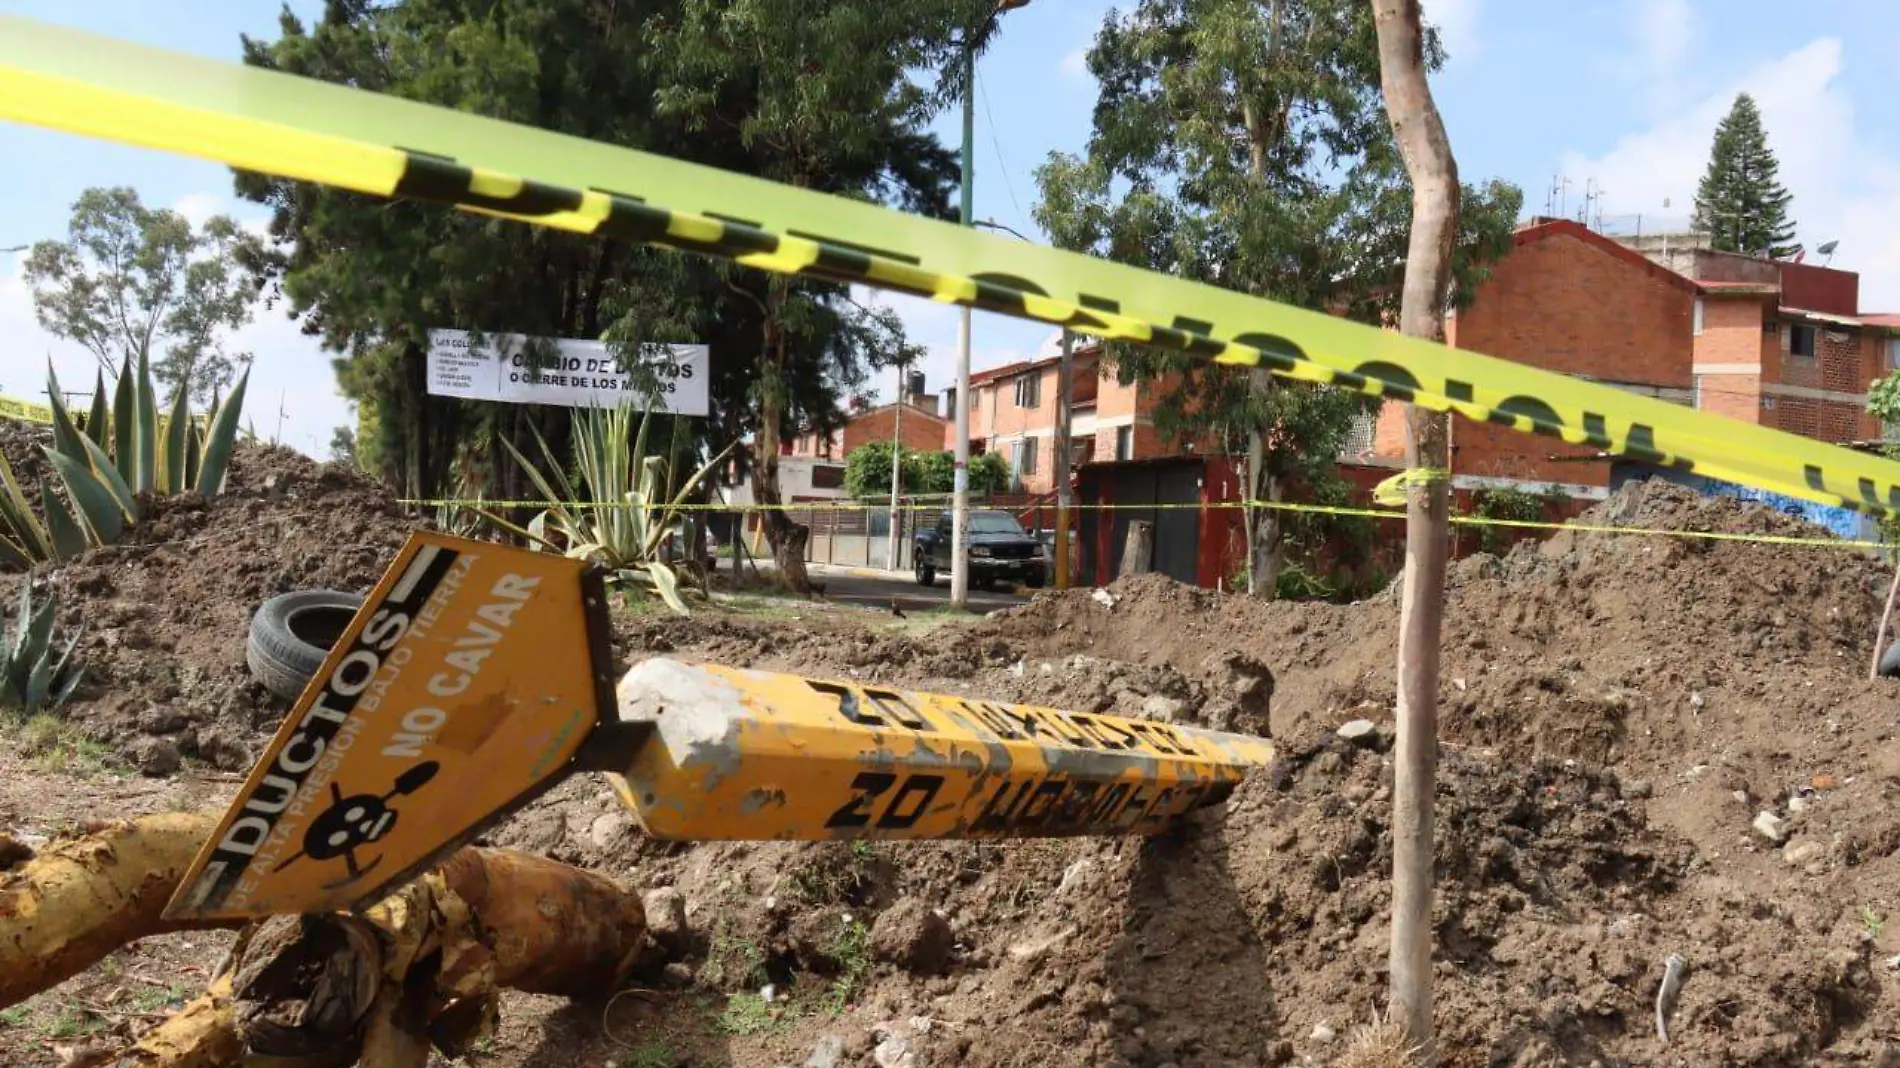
x: 1844, y: 183
x: 1457, y: 22
x: 1664, y: 30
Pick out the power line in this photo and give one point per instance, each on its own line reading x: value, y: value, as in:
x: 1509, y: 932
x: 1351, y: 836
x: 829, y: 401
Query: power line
x: 1001, y: 163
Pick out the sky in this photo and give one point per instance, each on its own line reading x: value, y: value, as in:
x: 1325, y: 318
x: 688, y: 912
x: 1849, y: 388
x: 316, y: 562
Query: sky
x: 1614, y: 98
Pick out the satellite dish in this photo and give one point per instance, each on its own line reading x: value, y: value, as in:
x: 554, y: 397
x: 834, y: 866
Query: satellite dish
x: 1826, y: 249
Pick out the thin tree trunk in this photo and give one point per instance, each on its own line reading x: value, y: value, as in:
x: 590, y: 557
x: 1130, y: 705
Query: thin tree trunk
x: 1886, y: 618
x: 1426, y: 149
x: 788, y: 539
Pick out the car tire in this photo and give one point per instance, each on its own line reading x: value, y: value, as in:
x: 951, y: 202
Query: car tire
x: 926, y: 575
x: 292, y: 633
x: 1890, y: 662
x: 1036, y: 580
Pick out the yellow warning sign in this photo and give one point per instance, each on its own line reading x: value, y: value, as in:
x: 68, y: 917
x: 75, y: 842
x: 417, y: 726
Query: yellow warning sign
x: 738, y: 754
x: 467, y: 679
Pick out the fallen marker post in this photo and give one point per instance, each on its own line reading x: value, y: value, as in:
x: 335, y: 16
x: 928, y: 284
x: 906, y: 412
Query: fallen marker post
x: 475, y: 677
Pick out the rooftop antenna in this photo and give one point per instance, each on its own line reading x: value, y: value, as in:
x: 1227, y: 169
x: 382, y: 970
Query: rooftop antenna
x: 1826, y: 248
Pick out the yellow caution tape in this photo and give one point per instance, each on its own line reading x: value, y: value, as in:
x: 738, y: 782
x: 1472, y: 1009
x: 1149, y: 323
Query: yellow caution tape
x: 292, y: 127
x: 1828, y: 542
x: 25, y: 411
x: 1392, y: 490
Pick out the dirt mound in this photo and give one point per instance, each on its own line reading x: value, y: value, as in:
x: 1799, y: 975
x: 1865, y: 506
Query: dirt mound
x: 1653, y: 745
x: 167, y: 610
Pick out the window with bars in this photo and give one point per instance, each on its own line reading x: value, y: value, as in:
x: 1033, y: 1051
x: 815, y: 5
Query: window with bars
x: 1360, y: 436
x: 1029, y: 391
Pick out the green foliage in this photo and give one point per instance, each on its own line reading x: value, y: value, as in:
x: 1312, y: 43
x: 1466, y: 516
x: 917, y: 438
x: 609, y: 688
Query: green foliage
x: 1511, y: 506
x: 1741, y: 203
x: 748, y: 1015
x: 852, y: 952
x: 1296, y: 583
x: 112, y: 466
x: 818, y: 95
x: 619, y: 511
x: 652, y: 1053
x: 38, y: 674
x: 132, y: 283
x: 867, y: 472
x: 1247, y: 146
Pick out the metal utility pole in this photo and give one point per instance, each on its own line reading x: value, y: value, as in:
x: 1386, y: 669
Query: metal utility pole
x: 897, y: 453
x: 1065, y: 379
x: 960, y: 498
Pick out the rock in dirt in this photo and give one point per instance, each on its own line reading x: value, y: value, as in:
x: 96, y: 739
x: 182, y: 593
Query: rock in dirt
x: 223, y: 751
x: 1360, y: 732
x: 827, y: 1054
x: 666, y: 918
x: 156, y: 757
x: 1771, y: 827
x: 1803, y: 853
x: 913, y: 936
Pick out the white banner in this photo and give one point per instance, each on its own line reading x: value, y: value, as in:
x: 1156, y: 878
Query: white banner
x: 579, y: 374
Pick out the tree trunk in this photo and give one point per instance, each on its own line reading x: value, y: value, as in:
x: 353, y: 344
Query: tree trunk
x: 788, y: 539
x: 66, y: 909
x: 1266, y: 528
x: 1426, y: 149
x: 421, y: 968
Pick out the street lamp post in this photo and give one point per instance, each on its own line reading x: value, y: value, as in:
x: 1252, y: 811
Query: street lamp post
x: 960, y: 497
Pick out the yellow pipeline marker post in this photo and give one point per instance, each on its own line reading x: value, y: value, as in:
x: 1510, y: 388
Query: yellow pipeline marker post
x: 738, y: 754
x: 475, y: 678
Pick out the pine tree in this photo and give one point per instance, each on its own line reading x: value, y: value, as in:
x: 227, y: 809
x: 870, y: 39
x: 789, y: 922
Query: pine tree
x: 1741, y: 204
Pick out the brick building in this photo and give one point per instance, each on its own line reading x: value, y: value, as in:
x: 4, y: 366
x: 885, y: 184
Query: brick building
x: 1776, y: 343
x: 918, y: 423
x: 1013, y: 412
x: 1565, y: 299
x: 1785, y: 345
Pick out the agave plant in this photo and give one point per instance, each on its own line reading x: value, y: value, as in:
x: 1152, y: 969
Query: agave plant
x: 123, y: 455
x: 617, y: 514
x: 35, y: 680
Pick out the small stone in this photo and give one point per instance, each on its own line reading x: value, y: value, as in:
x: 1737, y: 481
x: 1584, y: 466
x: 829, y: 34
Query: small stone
x: 1824, y: 781
x: 1695, y: 701
x: 222, y: 751
x: 1039, y: 945
x: 1740, y: 796
x: 607, y: 829
x: 894, y: 1051
x: 161, y: 719
x: 1771, y: 827
x: 1360, y: 732
x: 1323, y: 1032
x: 1799, y: 804
x: 1162, y: 709
x: 666, y: 918
x: 827, y: 1054
x: 768, y: 993
x: 156, y: 757
x: 914, y: 936
x: 1802, y: 852
x: 678, y: 974
x: 1637, y: 789
x: 1103, y: 598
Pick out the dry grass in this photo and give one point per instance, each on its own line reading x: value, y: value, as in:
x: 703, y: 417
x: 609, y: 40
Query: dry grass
x: 1379, y: 1044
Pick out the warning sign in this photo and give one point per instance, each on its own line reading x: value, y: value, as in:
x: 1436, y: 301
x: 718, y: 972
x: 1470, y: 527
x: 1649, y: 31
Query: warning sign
x: 468, y: 677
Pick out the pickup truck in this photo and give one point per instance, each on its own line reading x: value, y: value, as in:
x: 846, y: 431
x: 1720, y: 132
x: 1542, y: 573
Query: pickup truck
x: 1000, y: 550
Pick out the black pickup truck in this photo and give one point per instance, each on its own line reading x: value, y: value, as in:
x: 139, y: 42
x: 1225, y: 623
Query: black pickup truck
x: 1000, y: 550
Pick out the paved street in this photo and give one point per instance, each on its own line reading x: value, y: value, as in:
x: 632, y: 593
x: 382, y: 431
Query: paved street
x: 875, y: 589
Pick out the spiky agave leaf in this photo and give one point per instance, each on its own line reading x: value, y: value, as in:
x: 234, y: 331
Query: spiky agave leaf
x: 104, y: 519
x: 666, y: 583
x: 124, y: 418
x: 171, y: 475
x: 145, y: 426
x: 108, y: 475
x: 68, y: 537
x: 221, y: 439
x: 99, y: 419
x: 65, y: 433
x: 25, y: 529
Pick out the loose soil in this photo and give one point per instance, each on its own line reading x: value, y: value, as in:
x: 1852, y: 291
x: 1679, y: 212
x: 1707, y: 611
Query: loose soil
x: 1617, y: 711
